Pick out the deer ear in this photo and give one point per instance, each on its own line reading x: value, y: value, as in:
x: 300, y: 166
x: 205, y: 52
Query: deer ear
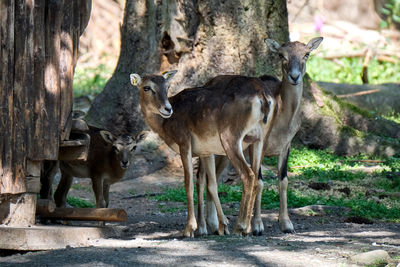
x: 272, y: 45
x: 168, y: 75
x: 107, y: 136
x: 314, y: 43
x: 141, y: 136
x: 136, y: 80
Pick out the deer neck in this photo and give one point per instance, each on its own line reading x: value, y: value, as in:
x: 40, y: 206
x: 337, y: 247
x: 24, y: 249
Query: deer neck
x: 154, y: 121
x: 291, y: 97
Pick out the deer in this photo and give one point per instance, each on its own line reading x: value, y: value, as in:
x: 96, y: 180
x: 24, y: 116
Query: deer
x: 109, y: 157
x: 207, y: 121
x: 284, y: 127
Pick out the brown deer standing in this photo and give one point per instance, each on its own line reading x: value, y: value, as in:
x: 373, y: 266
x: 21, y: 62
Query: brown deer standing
x: 109, y: 157
x: 285, y: 125
x: 211, y: 120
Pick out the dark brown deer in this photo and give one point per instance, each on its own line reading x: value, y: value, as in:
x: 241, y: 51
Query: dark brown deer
x: 211, y: 120
x: 285, y: 125
x: 109, y: 157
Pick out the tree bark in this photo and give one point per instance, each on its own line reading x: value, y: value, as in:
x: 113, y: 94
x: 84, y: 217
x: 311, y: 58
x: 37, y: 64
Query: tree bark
x: 199, y: 38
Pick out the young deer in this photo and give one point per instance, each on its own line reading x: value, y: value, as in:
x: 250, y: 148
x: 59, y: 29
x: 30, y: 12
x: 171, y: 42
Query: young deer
x: 285, y: 125
x: 108, y: 159
x: 211, y: 120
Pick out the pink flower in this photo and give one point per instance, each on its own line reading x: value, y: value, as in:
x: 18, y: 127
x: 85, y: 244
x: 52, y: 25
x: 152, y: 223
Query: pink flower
x: 318, y: 23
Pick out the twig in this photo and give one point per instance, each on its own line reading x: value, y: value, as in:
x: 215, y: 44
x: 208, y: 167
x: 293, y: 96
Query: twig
x: 366, y: 160
x: 367, y: 59
x: 366, y: 92
x: 143, y: 195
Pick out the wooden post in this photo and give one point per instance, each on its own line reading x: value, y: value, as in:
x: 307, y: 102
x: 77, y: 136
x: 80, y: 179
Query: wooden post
x: 38, y: 50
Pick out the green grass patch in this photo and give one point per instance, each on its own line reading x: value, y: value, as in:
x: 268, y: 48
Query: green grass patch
x: 323, y: 166
x: 79, y: 203
x: 91, y: 80
x: 81, y: 187
x: 349, y: 70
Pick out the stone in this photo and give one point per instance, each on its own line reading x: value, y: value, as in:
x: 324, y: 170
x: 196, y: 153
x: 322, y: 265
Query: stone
x: 371, y: 257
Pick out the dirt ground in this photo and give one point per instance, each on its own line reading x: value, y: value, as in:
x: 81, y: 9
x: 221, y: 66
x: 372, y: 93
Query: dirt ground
x: 152, y: 237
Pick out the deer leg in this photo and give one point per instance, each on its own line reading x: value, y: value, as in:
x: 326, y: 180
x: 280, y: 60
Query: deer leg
x: 200, y: 183
x: 257, y: 224
x: 48, y: 171
x: 106, y: 193
x: 284, y: 221
x: 212, y: 219
x: 236, y: 157
x: 212, y: 187
x: 186, y: 157
x: 255, y: 151
x: 60, y: 196
x: 97, y: 185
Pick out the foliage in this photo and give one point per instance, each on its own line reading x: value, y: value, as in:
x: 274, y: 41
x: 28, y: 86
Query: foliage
x: 349, y: 70
x: 79, y: 203
x: 90, y: 80
x: 391, y: 9
x: 308, y: 165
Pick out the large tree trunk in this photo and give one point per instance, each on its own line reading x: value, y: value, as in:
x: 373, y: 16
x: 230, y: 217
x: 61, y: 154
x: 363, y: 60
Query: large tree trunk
x: 199, y: 38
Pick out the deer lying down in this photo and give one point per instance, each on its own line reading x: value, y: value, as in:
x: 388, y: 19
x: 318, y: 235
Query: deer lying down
x: 211, y: 120
x: 108, y: 159
x: 285, y: 125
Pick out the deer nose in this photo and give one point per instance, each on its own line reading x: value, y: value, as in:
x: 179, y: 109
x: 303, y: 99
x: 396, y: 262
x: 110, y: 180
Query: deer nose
x: 295, y: 76
x: 124, y: 163
x: 168, y: 109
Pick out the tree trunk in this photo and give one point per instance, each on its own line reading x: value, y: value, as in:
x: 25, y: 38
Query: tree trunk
x: 199, y: 38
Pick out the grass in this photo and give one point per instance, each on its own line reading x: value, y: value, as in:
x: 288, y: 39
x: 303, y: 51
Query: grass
x: 349, y: 70
x: 322, y: 166
x: 79, y: 203
x: 81, y: 187
x: 91, y: 80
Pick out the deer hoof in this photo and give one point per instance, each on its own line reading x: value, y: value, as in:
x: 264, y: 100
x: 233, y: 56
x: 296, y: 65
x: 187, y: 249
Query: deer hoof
x: 189, y: 230
x: 286, y: 226
x: 258, y: 227
x: 202, y: 230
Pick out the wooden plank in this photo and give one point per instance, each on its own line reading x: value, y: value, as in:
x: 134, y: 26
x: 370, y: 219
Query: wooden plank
x: 38, y: 129
x: 67, y: 65
x: 51, y: 79
x: 22, y: 65
x: 86, y: 214
x: 6, y: 95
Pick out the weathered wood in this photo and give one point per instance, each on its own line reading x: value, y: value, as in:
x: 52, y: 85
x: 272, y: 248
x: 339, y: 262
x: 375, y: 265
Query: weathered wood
x: 75, y: 149
x: 51, y: 79
x: 36, y: 142
x: 6, y: 79
x: 19, y: 101
x: 86, y: 214
x: 32, y: 184
x: 66, y: 69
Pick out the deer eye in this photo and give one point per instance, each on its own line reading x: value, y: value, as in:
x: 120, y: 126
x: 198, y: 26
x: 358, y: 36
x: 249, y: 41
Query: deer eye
x: 133, y: 148
x: 281, y: 56
x: 306, y: 55
x: 146, y: 88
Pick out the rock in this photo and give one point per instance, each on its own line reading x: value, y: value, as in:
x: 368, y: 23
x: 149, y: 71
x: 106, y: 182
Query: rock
x: 371, y: 257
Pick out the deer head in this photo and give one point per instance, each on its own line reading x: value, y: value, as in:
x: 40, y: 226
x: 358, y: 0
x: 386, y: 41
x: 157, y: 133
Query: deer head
x: 153, y: 91
x: 123, y: 145
x: 294, y: 56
